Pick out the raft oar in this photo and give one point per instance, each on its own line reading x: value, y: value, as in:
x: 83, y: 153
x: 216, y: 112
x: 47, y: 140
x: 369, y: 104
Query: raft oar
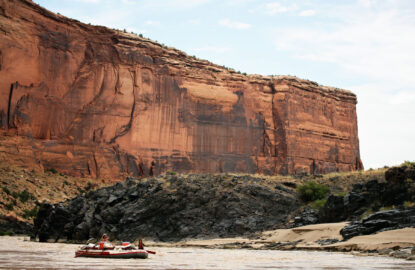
x: 151, y: 252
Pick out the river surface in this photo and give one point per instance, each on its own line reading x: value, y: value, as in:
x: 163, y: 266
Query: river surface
x: 15, y: 253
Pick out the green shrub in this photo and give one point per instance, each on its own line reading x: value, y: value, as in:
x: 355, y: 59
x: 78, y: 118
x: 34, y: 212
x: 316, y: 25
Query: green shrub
x: 317, y: 204
x: 30, y: 213
x: 342, y: 194
x: 3, y: 233
x: 24, y: 196
x: 311, y: 191
x: 171, y: 173
x: 15, y: 194
x: 9, y: 206
x: 408, y: 163
x: 6, y: 190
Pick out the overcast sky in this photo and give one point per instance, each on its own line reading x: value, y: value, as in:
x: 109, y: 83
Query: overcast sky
x: 366, y: 46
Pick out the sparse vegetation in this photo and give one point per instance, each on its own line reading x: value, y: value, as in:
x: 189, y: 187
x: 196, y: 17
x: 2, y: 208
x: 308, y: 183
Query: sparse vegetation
x: 317, y: 204
x: 30, y: 213
x: 409, y: 204
x: 367, y: 213
x: 342, y: 193
x: 384, y: 208
x: 408, y: 163
x: 3, y: 233
x: 9, y: 206
x: 312, y: 191
x: 25, y: 195
x: 6, y: 190
x: 91, y: 186
x: 21, y: 188
x: 375, y: 207
x: 15, y: 194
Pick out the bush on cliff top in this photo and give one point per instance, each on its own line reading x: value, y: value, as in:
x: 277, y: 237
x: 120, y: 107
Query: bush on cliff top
x: 408, y: 163
x: 311, y: 191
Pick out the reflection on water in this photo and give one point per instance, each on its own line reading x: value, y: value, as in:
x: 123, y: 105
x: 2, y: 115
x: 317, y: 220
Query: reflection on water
x: 18, y: 254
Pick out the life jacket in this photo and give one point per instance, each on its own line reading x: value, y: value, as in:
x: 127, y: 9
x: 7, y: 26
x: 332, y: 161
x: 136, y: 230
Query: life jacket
x: 105, y: 244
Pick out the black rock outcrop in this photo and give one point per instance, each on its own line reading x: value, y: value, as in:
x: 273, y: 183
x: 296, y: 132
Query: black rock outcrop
x: 372, y: 195
x: 170, y: 208
x: 380, y: 221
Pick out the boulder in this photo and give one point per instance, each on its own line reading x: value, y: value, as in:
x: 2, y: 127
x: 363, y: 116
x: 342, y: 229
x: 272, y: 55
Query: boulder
x: 380, y: 221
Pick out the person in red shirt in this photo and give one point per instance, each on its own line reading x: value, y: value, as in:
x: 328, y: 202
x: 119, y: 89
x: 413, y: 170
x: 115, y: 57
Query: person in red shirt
x: 104, y: 243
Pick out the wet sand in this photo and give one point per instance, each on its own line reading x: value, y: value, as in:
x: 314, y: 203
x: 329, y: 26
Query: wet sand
x: 18, y: 254
x: 308, y: 237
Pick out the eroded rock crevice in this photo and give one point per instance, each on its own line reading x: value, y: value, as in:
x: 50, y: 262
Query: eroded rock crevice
x: 9, y: 104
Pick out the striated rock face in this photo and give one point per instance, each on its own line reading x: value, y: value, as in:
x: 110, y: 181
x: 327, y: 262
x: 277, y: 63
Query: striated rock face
x: 171, y: 208
x: 92, y: 101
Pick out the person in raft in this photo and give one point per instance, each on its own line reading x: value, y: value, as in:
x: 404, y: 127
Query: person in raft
x: 104, y: 243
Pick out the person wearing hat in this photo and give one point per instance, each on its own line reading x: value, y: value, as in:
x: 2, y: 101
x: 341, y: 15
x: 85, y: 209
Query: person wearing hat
x: 104, y: 243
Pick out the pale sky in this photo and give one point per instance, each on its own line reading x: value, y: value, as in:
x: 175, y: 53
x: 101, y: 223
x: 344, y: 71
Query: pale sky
x: 366, y: 46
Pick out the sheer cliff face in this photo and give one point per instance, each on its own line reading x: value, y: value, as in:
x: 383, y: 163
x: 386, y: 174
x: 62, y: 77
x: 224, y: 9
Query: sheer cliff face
x: 92, y: 101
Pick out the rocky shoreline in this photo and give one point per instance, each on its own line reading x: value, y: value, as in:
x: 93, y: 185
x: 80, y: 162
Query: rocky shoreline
x: 321, y: 237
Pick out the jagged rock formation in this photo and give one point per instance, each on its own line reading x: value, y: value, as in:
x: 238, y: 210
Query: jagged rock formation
x: 380, y: 221
x: 93, y: 101
x: 372, y: 196
x: 171, y: 207
x: 374, y: 206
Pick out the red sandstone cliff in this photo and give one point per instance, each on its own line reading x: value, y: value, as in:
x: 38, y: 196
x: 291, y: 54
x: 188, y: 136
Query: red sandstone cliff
x: 92, y: 101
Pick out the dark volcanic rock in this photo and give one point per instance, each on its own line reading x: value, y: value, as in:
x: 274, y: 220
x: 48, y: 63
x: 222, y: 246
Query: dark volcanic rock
x: 352, y: 205
x: 398, y: 188
x: 339, y: 208
x: 398, y: 175
x: 400, y: 184
x: 380, y: 221
x: 170, y: 208
x: 307, y: 217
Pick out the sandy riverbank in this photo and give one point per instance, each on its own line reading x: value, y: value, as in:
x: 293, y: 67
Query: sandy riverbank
x: 312, y: 237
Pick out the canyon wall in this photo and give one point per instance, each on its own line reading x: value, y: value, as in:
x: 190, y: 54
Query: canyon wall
x: 88, y: 100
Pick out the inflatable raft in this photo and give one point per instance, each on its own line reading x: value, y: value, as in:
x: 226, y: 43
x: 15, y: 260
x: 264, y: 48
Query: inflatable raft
x: 126, y: 251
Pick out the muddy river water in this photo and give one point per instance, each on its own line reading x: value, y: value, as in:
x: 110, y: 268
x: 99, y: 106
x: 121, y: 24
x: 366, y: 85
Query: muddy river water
x: 15, y: 253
